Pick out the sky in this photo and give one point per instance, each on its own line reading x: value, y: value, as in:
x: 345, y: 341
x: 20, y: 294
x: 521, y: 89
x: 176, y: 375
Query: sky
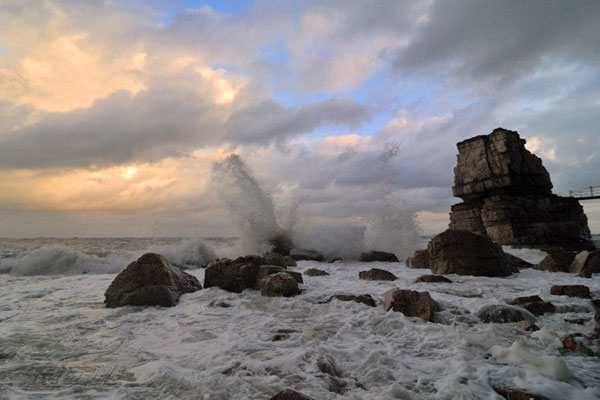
x: 112, y: 113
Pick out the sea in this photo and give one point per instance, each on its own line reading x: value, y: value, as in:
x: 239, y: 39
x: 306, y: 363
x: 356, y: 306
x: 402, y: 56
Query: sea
x: 59, y: 341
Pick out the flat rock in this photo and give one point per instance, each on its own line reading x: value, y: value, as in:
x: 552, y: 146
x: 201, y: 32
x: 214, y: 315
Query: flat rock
x: 410, y: 303
x: 315, y: 272
x: 366, y: 299
x: 290, y: 394
x: 466, y: 253
x: 380, y: 256
x: 571, y: 291
x: 500, y: 313
x: 420, y: 259
x: 234, y: 275
x: 525, y: 300
x: 517, y: 394
x: 151, y: 281
x: 280, y: 284
x: 433, y: 279
x: 376, y: 274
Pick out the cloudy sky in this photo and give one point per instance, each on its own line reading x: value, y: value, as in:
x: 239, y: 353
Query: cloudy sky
x: 112, y: 112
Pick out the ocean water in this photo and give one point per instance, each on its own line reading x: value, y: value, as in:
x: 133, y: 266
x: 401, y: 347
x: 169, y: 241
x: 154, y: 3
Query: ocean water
x: 57, y: 340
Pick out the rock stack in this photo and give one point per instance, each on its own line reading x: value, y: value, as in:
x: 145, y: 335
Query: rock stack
x: 507, y: 195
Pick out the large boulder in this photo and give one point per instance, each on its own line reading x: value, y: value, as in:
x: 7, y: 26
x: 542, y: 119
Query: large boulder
x: 557, y: 260
x: 151, y: 281
x: 571, y: 291
x: 516, y: 264
x: 507, y: 195
x: 376, y: 274
x: 466, y: 253
x: 265, y: 270
x: 586, y: 263
x: 280, y: 284
x: 410, y: 303
x: 420, y: 259
x: 500, y: 313
x: 234, y: 275
x: 380, y: 256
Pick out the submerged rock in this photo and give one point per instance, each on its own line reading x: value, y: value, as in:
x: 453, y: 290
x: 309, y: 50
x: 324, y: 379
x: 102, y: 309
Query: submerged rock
x: 420, y: 259
x: 571, y: 291
x: 410, y: 303
x: 150, y: 281
x: 290, y: 394
x: 466, y: 253
x: 500, y: 313
x: 279, y: 284
x: 315, y: 272
x: 363, y: 298
x: 304, y: 254
x: 327, y: 365
x: 433, y: 279
x: 528, y: 326
x: 578, y: 343
x: 234, y: 275
x: 380, y: 256
x: 376, y: 274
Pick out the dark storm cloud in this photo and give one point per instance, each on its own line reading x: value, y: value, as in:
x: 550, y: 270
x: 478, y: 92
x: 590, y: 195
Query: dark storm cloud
x: 502, y: 41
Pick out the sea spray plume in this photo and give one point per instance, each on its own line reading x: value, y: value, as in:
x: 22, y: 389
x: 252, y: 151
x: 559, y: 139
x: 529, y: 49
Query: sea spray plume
x: 250, y: 206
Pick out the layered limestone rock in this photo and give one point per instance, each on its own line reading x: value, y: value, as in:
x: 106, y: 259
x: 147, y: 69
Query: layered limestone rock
x: 507, y: 195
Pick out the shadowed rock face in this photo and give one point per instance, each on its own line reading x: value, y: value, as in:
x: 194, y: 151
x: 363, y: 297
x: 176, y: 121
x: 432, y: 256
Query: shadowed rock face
x: 466, y: 253
x: 151, y: 281
x: 507, y: 195
x: 234, y: 275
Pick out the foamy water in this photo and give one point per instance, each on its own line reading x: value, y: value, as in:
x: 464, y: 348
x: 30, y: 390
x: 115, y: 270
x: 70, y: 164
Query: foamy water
x: 57, y: 340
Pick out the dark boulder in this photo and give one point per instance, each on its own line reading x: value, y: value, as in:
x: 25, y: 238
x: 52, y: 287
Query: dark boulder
x: 410, y: 303
x: 420, y: 259
x: 376, y: 274
x: 558, y: 260
x: 315, y: 272
x: 381, y: 256
x: 265, y: 270
x: 363, y: 298
x: 516, y: 264
x: 466, y: 253
x: 150, y: 281
x: 538, y: 308
x: 571, y: 291
x: 280, y: 284
x: 234, y: 275
x: 525, y: 299
x: 517, y: 394
x: 290, y: 394
x: 500, y: 313
x: 433, y: 279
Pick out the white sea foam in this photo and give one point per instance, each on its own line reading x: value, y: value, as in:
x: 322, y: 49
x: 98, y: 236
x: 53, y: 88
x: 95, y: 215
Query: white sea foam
x: 59, y: 341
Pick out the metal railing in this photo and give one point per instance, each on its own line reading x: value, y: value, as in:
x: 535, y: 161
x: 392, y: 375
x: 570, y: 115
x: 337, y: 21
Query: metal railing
x: 591, y: 192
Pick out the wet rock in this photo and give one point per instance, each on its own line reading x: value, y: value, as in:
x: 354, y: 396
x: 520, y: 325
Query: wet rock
x: 500, y: 313
x: 219, y: 303
x: 234, y: 275
x: 578, y: 343
x: 275, y: 259
x: 282, y: 334
x: 410, y: 303
x: 265, y: 270
x: 420, y: 259
x: 433, y: 279
x: 539, y: 308
x: 466, y: 253
x: 289, y: 261
x: 516, y: 264
x: 363, y: 298
x: 304, y: 254
x: 578, y: 321
x: 507, y: 196
x: 327, y: 365
x: 586, y: 263
x: 571, y: 291
x: 150, y: 281
x: 290, y: 394
x: 517, y: 394
x: 280, y: 284
x: 558, y: 260
x: 525, y: 299
x: 380, y: 256
x: 376, y: 274
x: 315, y: 272
x: 528, y: 326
